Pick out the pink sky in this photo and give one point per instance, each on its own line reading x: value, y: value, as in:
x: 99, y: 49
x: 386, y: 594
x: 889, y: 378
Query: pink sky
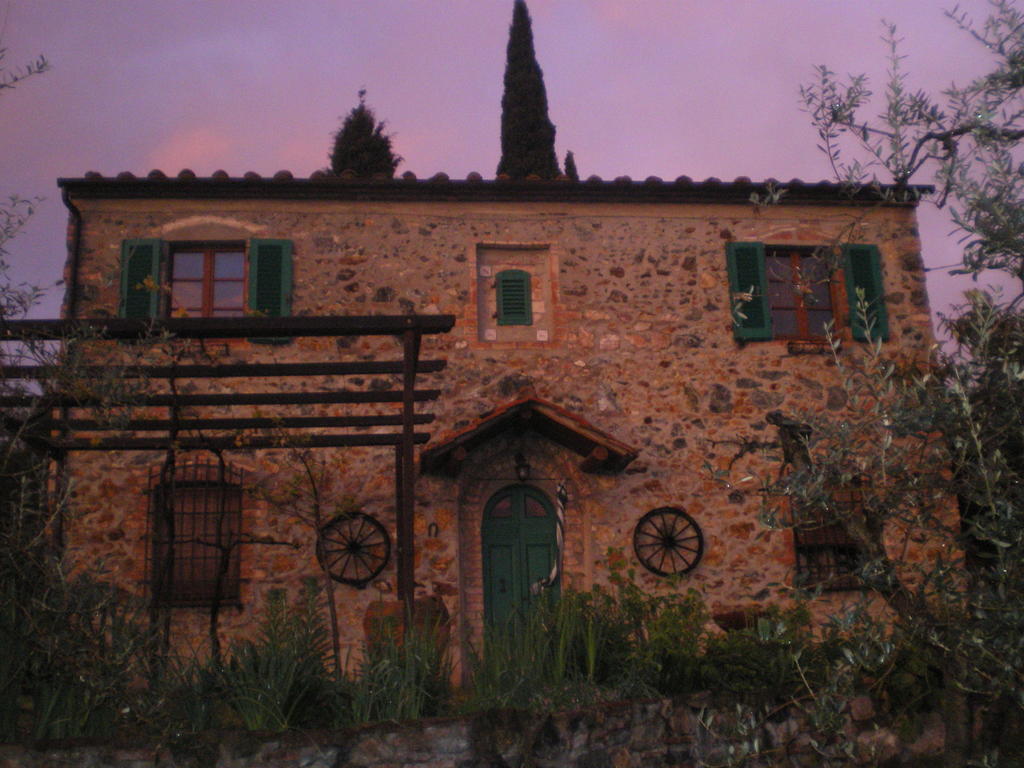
x: 635, y: 87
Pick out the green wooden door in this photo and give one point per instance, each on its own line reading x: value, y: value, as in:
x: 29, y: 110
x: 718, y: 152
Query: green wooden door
x: 518, y: 549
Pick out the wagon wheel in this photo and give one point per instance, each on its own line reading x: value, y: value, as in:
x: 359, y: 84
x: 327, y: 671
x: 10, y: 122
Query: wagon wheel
x: 668, y: 541
x: 353, y: 548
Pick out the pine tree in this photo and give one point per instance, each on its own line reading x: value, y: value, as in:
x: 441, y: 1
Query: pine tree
x: 527, y: 135
x: 570, y: 166
x: 361, y: 145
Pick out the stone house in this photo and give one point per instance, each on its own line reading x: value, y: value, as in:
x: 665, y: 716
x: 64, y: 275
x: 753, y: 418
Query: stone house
x: 612, y: 341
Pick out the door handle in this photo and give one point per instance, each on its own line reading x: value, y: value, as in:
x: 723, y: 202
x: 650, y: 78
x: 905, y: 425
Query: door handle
x: 502, y: 587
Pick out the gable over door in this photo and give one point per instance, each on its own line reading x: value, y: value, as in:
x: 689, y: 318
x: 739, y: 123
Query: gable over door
x: 519, y: 549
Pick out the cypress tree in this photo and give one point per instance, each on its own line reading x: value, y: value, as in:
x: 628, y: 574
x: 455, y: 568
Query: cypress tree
x: 527, y: 135
x: 361, y: 145
x: 570, y: 166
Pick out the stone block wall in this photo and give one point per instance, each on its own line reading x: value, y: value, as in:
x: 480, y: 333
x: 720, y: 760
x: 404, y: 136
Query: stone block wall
x: 639, y: 343
x: 637, y: 734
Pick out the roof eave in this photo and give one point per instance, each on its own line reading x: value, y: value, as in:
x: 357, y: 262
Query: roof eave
x: 441, y: 188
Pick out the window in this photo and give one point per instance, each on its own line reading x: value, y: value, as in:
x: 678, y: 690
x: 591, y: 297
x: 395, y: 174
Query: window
x: 208, y: 282
x: 194, y: 523
x: 799, y: 293
x: 787, y: 292
x: 826, y: 555
x: 515, y: 296
x: 514, y: 300
x: 205, y: 279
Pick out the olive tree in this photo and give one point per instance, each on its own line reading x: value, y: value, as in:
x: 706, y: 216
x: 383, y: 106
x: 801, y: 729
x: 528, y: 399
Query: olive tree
x: 934, y: 450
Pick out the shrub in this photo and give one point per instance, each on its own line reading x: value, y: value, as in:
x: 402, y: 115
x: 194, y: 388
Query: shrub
x: 675, y: 635
x: 768, y: 660
x: 71, y: 649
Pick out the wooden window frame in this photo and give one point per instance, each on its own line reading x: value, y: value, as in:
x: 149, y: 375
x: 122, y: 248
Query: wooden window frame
x: 209, y: 279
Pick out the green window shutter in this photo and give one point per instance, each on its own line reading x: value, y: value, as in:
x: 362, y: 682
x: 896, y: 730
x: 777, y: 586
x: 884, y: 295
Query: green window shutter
x: 270, y: 277
x: 270, y: 281
x: 140, y: 278
x: 863, y: 267
x: 514, y: 301
x: 747, y: 275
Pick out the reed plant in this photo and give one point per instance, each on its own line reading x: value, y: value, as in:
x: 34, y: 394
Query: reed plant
x: 555, y: 652
x: 404, y: 674
x: 279, y: 680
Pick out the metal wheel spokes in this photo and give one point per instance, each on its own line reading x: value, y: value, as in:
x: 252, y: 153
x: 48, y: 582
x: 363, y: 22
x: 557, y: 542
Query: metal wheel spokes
x: 353, y: 548
x: 668, y: 541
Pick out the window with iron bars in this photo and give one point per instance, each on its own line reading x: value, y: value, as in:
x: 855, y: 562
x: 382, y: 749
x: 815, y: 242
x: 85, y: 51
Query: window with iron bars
x: 195, y: 518
x: 826, y: 555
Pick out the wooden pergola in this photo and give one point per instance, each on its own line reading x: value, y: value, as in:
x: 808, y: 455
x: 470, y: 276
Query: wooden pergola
x: 52, y: 420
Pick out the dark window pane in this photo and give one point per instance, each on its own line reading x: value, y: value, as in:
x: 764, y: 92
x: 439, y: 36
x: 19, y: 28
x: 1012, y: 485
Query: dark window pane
x: 187, y: 296
x: 817, y: 321
x: 779, y: 267
x: 229, y: 264
x: 781, y: 294
x: 534, y: 508
x: 188, y: 265
x: 503, y: 508
x: 784, y: 322
x: 815, y: 270
x: 227, y: 295
x: 818, y: 295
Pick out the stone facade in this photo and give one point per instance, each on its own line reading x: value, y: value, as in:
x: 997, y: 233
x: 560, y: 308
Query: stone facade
x: 632, y: 333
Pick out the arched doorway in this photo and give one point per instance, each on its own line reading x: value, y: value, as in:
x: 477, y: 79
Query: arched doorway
x: 519, y: 548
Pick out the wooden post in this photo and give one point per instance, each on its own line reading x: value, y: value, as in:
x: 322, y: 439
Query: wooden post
x: 405, y: 478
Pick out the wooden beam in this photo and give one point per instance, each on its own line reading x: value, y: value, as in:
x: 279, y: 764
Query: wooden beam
x: 224, y: 327
x: 230, y: 443
x: 455, y: 460
x: 225, y: 370
x: 595, y: 460
x: 242, y: 398
x: 268, y: 422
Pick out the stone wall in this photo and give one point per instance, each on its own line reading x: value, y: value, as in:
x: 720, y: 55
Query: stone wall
x: 639, y: 734
x: 637, y: 320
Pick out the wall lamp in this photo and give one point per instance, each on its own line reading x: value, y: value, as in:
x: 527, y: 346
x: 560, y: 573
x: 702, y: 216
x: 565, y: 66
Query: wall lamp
x: 522, y: 468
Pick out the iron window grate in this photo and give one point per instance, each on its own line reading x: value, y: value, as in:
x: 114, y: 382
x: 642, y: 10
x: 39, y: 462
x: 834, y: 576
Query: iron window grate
x: 826, y: 555
x: 194, y: 525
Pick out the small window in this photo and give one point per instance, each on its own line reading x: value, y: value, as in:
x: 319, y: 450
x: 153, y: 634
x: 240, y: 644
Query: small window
x: 208, y: 281
x: 194, y: 523
x: 514, y: 299
x: 826, y: 555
